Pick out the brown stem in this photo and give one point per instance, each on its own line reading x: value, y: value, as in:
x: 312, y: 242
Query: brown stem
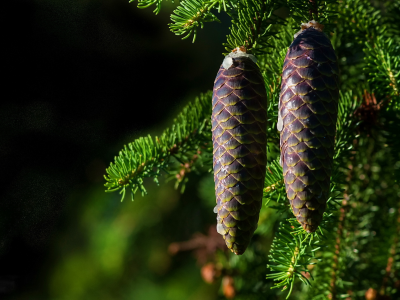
x: 339, y: 232
x: 392, y: 253
x: 171, y: 151
x: 335, y: 265
x: 203, y: 246
x: 314, y: 10
x: 273, y: 186
x: 254, y: 33
x: 186, y: 168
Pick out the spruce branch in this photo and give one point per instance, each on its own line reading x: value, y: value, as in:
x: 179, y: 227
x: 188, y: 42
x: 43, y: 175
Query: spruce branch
x: 394, y: 250
x: 363, y: 20
x: 325, y: 273
x: 383, y: 66
x: 185, y: 141
x: 357, y: 22
x: 392, y: 270
x: 390, y: 10
x: 345, y: 126
x: 191, y: 14
x: 292, y: 238
x: 360, y: 20
x: 335, y: 264
x: 290, y: 255
x: 271, y: 68
x: 364, y: 237
x: 303, y: 11
x: 274, y: 187
x: 146, y: 3
x: 252, y: 26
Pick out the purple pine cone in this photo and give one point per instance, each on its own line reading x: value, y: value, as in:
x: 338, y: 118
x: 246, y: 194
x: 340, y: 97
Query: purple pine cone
x: 239, y: 140
x: 308, y: 108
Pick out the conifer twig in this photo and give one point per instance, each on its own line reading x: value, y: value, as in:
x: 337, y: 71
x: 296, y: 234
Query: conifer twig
x: 187, y: 141
x: 190, y: 15
x: 392, y: 253
x: 383, y: 66
x: 335, y: 265
x: 252, y: 26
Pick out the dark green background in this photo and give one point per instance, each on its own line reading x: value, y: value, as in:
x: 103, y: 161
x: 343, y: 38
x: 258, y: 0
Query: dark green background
x: 81, y: 79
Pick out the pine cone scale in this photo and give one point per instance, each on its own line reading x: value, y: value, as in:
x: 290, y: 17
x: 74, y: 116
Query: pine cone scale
x: 238, y: 118
x: 308, y: 108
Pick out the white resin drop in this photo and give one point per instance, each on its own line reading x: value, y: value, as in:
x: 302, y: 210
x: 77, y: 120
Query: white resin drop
x: 215, y: 210
x: 228, y: 60
x: 279, y: 126
x: 221, y: 229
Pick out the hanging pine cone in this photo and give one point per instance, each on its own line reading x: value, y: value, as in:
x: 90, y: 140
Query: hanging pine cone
x: 239, y: 140
x: 308, y: 107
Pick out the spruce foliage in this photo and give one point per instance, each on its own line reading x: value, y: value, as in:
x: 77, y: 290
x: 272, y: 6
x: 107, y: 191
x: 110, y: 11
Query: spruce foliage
x: 356, y: 249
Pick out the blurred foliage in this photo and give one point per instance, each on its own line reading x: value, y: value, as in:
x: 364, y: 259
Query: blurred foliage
x: 112, y: 250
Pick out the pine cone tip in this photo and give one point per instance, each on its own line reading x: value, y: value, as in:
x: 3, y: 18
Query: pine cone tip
x: 313, y: 24
x: 236, y: 53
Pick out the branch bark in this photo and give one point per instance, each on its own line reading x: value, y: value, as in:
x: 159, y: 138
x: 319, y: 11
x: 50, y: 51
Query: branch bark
x: 314, y: 10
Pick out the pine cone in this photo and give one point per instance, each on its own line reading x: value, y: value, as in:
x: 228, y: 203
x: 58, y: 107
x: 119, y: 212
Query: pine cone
x: 308, y: 108
x: 239, y: 139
